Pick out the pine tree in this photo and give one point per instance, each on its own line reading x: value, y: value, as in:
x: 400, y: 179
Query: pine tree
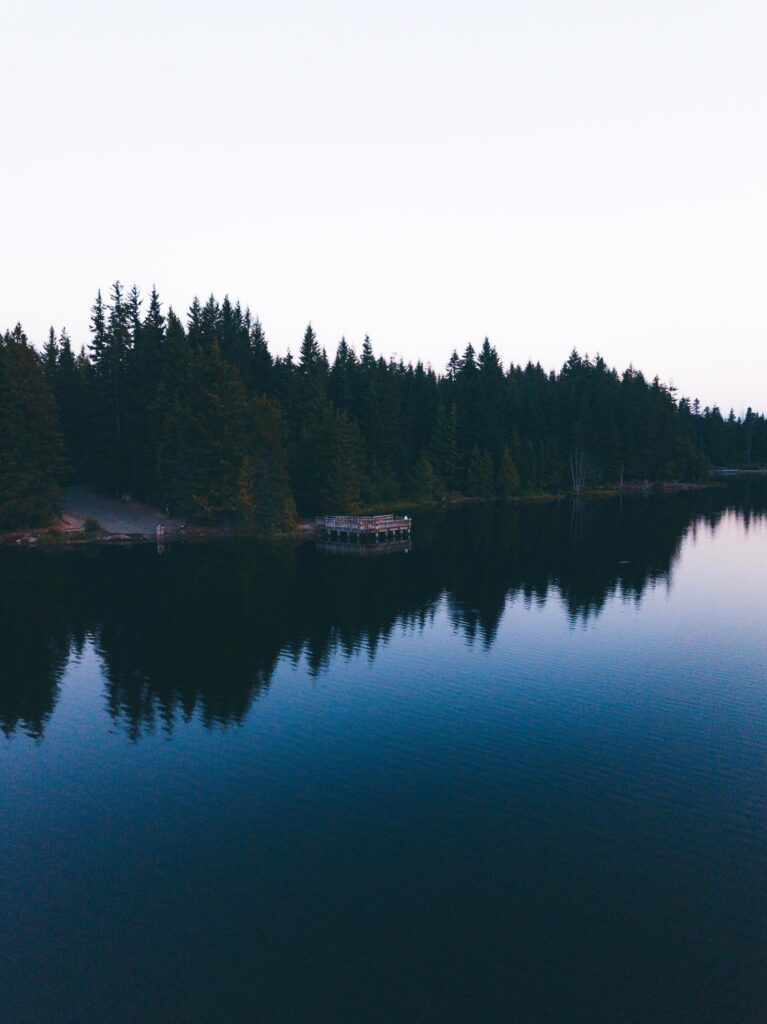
x: 328, y: 464
x: 275, y: 510
x: 194, y: 323
x: 134, y: 313
x: 32, y: 459
x: 341, y: 485
x: 479, y: 476
x: 50, y: 360
x: 73, y: 398
x: 343, y: 378
x: 367, y: 359
x: 309, y: 357
x: 210, y: 324
x: 453, y: 367
x: 426, y: 483
x: 491, y: 411
x: 508, y: 475
x: 260, y: 360
x: 444, y: 451
x: 247, y: 497
x: 144, y: 364
x: 98, y: 330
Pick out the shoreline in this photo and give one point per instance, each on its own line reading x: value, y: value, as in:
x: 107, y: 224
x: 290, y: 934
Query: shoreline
x: 70, y: 530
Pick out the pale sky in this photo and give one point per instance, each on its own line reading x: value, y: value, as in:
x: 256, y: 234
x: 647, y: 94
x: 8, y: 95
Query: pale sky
x: 550, y: 174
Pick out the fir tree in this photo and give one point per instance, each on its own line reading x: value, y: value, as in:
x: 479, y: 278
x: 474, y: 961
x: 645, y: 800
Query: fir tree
x: 50, y: 360
x: 32, y: 459
x: 444, y: 450
x: 367, y: 358
x: 479, y: 477
x: 508, y: 475
x: 260, y: 360
x: 309, y: 357
x: 426, y: 484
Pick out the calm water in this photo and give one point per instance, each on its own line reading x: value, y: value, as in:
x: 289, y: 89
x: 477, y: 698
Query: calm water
x: 517, y: 774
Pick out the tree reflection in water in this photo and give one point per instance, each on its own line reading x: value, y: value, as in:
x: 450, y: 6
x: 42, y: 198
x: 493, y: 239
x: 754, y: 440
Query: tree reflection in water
x: 200, y: 631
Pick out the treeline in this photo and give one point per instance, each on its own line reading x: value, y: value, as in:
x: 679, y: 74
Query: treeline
x: 201, y: 418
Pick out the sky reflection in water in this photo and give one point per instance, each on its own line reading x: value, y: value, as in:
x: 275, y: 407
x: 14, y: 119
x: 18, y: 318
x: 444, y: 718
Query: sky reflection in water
x: 517, y: 773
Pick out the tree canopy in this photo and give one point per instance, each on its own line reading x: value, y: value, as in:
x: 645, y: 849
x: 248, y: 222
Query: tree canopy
x: 199, y: 416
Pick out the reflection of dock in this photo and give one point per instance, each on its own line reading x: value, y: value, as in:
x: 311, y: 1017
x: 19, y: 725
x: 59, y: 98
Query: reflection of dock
x: 382, y: 547
x: 363, y: 527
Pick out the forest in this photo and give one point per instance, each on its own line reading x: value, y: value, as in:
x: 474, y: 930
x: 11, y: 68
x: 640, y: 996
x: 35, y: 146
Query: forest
x: 200, y: 418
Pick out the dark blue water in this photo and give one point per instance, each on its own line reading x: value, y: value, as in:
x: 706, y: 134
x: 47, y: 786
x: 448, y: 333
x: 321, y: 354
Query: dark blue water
x: 516, y: 774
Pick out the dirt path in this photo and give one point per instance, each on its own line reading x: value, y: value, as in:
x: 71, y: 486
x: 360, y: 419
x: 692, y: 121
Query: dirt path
x: 128, y: 517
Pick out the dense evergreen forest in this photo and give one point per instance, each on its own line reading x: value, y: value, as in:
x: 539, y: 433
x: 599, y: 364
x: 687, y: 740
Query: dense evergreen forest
x: 202, y: 419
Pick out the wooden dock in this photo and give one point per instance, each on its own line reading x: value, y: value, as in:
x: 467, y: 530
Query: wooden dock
x: 362, y: 528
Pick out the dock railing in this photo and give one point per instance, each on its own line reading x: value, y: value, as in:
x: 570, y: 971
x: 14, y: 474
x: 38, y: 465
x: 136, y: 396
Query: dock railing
x: 363, y: 526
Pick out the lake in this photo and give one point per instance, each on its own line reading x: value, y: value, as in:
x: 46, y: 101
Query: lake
x: 516, y: 773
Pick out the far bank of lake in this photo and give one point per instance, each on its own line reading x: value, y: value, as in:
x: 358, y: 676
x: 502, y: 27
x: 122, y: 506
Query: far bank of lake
x: 91, y: 517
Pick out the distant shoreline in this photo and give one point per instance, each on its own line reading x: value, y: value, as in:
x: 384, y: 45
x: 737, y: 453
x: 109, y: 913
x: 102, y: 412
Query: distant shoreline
x: 135, y: 523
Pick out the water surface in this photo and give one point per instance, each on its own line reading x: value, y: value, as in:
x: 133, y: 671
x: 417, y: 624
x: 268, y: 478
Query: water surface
x: 516, y: 774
